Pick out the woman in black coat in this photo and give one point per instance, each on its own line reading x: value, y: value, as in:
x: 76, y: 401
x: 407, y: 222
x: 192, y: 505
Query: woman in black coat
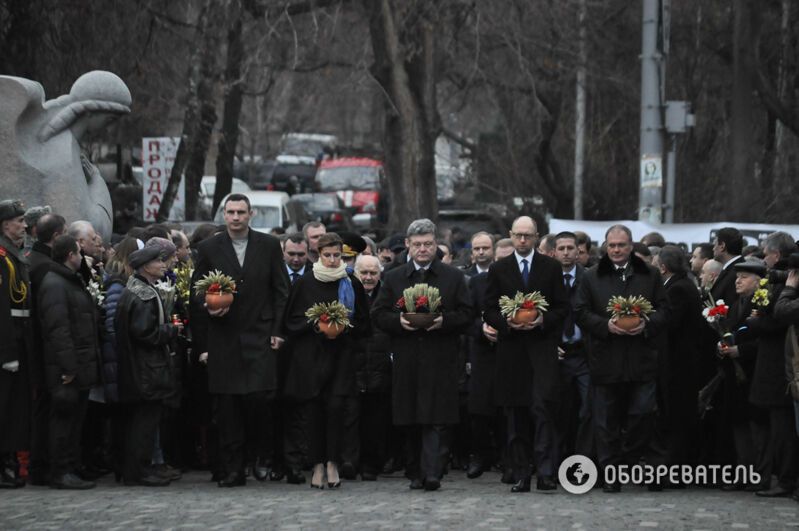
x: 322, y: 371
x: 143, y: 337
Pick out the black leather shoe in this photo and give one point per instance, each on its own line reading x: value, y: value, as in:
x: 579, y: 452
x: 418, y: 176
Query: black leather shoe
x: 368, y: 476
x: 417, y: 484
x: 545, y: 483
x: 167, y: 472
x: 348, y: 471
x: 71, y: 482
x: 147, y: 481
x: 475, y: 468
x: 233, y: 480
x: 295, y: 477
x: 612, y: 487
x: 507, y: 477
x: 523, y: 485
x: 776, y: 492
x: 277, y: 474
x: 432, y: 484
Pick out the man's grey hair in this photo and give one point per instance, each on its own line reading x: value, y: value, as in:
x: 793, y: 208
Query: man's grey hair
x: 713, y: 266
x: 618, y: 227
x: 362, y: 258
x: 420, y: 227
x: 80, y: 229
x: 781, y: 242
x: 371, y: 244
x: 673, y: 259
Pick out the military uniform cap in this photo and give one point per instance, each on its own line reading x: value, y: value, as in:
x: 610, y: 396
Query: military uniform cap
x: 11, y: 208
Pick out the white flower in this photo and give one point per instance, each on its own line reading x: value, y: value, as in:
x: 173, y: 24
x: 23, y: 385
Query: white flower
x: 720, y: 302
x: 706, y: 312
x: 96, y: 292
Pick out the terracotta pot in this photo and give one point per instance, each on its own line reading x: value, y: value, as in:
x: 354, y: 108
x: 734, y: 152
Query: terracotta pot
x: 524, y: 316
x: 628, y: 322
x: 330, y: 330
x: 217, y: 301
x: 420, y: 320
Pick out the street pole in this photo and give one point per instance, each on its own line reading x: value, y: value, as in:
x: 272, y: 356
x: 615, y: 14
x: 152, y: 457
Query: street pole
x: 671, y: 179
x: 650, y: 196
x: 579, y: 122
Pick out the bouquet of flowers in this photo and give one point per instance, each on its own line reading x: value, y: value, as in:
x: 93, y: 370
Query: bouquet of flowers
x: 715, y: 313
x: 167, y: 293
x: 419, y: 305
x: 218, y: 289
x: 760, y: 300
x: 523, y: 307
x: 95, y: 289
x: 627, y: 312
x: 183, y: 275
x: 331, y: 318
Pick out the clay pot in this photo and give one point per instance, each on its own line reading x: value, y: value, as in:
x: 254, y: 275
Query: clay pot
x: 217, y: 301
x: 524, y: 316
x: 628, y: 322
x: 420, y: 320
x: 329, y: 329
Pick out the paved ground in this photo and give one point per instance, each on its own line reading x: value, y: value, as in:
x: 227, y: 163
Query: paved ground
x: 196, y: 503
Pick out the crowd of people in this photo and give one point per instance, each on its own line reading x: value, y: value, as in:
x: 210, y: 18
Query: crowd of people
x: 114, y: 363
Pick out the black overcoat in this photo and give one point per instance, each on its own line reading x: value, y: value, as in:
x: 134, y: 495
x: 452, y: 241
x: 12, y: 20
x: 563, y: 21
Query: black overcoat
x: 425, y: 372
x: 769, y: 388
x: 617, y: 358
x: 482, y: 354
x: 240, y: 358
x: 527, y: 361
x: 317, y: 364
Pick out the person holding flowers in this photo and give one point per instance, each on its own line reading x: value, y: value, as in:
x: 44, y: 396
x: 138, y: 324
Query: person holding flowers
x: 623, y: 357
x: 526, y: 302
x: 326, y: 312
x: 425, y: 340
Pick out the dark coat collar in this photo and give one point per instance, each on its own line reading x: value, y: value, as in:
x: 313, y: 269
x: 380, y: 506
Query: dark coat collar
x: 606, y: 267
x: 67, y: 273
x: 434, y: 267
x: 43, y: 248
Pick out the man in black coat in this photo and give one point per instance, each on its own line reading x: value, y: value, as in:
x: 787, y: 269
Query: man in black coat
x: 68, y: 323
x: 426, y: 372
x: 681, y: 366
x: 574, y: 423
x: 727, y: 249
x: 241, y: 340
x: 527, y: 354
x: 624, y: 363
x: 48, y: 228
x: 17, y: 344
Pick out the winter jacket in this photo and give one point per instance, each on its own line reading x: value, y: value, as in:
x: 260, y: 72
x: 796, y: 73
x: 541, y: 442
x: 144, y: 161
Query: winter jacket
x: 114, y: 287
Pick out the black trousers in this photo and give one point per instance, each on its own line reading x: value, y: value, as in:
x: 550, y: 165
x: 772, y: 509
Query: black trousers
x: 534, y: 425
x: 295, y: 434
x: 488, y: 438
x: 245, y: 424
x: 632, y: 406
x: 375, y: 423
x: 40, y: 436
x: 351, y: 438
x: 67, y: 411
x: 325, y: 428
x: 777, y: 446
x: 143, y: 419
x: 574, y: 426
x: 426, y: 451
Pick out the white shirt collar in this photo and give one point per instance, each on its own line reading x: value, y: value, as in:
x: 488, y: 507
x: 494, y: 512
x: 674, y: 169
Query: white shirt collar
x: 301, y: 272
x: 480, y: 269
x: 519, y: 258
x: 572, y: 272
x: 418, y: 267
x: 731, y: 260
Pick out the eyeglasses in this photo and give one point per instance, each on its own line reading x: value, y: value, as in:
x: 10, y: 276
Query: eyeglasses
x: 524, y: 235
x: 418, y: 245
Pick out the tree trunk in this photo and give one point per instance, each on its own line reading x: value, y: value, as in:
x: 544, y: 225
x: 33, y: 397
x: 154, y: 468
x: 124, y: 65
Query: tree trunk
x: 412, y: 121
x: 579, y: 114
x: 741, y: 206
x: 229, y: 136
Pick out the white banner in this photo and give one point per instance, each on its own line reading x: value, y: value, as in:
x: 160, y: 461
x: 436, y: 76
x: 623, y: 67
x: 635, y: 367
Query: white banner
x: 688, y: 234
x: 158, y: 156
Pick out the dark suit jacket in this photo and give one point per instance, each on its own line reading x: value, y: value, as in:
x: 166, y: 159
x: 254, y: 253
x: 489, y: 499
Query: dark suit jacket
x: 724, y: 286
x: 240, y: 358
x: 526, y: 361
x: 425, y: 373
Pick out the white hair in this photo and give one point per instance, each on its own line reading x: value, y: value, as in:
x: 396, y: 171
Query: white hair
x: 80, y: 229
x: 362, y: 258
x: 420, y: 227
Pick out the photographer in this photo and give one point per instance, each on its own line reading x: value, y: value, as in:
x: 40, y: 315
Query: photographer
x: 786, y: 310
x: 775, y: 443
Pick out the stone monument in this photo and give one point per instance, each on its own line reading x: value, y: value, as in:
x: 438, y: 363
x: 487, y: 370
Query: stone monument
x: 40, y: 154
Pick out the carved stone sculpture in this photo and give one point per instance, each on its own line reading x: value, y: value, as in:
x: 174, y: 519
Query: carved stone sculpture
x: 40, y: 155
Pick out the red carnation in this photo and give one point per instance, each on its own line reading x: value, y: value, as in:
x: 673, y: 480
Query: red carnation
x: 324, y: 318
x: 617, y: 307
x: 722, y: 310
x: 528, y: 305
x: 214, y: 288
x: 636, y: 309
x: 421, y: 302
x: 401, y: 303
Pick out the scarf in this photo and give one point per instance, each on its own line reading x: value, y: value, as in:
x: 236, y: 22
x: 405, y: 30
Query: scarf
x: 346, y: 295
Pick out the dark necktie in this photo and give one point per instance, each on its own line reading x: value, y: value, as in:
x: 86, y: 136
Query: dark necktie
x: 525, y: 271
x: 294, y: 277
x: 421, y: 274
x: 568, y: 324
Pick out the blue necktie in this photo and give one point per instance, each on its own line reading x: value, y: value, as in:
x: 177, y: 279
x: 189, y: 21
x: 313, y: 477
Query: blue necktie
x: 525, y: 271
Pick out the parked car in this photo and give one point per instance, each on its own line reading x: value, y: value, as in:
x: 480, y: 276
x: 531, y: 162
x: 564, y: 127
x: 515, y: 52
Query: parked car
x: 255, y: 171
x: 207, y: 188
x: 307, y: 148
x: 292, y: 175
x: 327, y: 208
x: 270, y: 210
x: 361, y: 184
